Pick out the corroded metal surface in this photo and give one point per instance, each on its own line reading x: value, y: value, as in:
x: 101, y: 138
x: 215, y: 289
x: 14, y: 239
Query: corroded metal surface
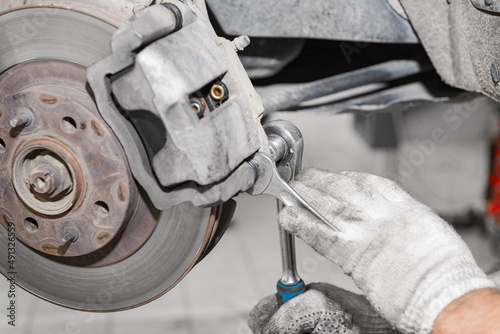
x: 350, y: 20
x: 67, y: 145
x: 201, y: 161
x: 67, y: 150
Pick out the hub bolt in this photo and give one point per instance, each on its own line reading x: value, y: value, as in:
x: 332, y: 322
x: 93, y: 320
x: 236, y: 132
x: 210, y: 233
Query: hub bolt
x: 70, y: 235
x: 50, y: 177
x: 22, y: 119
x: 42, y: 181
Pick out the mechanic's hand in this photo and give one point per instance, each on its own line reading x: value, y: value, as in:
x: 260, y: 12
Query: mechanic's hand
x: 324, y: 308
x: 408, y: 261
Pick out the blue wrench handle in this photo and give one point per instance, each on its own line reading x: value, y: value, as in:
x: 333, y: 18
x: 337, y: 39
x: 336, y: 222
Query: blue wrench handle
x: 287, y: 292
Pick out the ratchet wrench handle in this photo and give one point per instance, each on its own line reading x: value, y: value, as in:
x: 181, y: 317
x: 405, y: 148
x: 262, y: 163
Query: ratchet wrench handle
x: 287, y: 292
x: 273, y: 171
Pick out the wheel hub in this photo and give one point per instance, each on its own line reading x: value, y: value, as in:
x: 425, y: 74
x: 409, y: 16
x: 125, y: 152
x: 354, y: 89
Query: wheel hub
x: 47, y: 175
x: 84, y: 227
x: 67, y: 170
x: 43, y: 180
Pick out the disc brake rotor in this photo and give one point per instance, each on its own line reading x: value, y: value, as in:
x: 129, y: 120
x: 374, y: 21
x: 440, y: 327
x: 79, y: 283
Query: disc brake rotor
x: 87, y: 236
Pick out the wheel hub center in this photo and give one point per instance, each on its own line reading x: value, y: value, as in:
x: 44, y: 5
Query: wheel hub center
x: 44, y: 180
x: 49, y: 177
x: 70, y: 191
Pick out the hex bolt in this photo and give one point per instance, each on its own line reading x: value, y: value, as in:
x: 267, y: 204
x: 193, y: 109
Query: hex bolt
x: 50, y: 177
x: 495, y: 73
x: 278, y: 147
x: 70, y: 234
x: 42, y: 181
x: 23, y: 119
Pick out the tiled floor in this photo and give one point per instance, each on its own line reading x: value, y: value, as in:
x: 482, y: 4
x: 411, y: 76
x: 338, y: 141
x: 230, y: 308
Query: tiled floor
x: 215, y: 297
x: 218, y: 294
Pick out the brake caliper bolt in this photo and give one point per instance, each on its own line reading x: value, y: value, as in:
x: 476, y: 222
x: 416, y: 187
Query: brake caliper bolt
x: 240, y: 43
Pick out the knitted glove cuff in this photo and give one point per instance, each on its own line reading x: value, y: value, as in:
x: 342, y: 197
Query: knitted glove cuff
x: 455, y: 278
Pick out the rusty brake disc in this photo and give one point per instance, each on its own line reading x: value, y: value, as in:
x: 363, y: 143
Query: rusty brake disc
x: 87, y: 236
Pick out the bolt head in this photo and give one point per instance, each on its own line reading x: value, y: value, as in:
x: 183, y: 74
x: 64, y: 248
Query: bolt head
x: 49, y: 177
x: 42, y: 181
x: 240, y: 43
x: 71, y: 234
x: 23, y: 118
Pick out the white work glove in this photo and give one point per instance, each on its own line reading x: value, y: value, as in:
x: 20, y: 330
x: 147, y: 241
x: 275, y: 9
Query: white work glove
x: 323, y: 308
x: 408, y: 261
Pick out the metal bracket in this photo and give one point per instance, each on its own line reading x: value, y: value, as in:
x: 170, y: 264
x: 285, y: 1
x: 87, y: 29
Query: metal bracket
x: 165, y: 54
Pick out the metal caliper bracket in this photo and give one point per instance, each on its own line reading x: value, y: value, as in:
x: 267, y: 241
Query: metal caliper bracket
x: 182, y: 106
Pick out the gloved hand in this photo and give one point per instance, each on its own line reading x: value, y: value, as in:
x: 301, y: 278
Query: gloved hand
x: 409, y: 262
x: 323, y: 308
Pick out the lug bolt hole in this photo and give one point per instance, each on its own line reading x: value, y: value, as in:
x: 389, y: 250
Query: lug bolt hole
x: 101, y: 207
x: 69, y: 125
x: 31, y: 225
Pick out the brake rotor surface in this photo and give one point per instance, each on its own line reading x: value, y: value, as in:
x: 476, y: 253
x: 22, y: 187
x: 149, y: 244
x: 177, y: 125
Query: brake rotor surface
x: 87, y: 236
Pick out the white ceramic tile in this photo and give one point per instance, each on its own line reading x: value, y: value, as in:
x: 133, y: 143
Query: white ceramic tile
x: 53, y: 319
x: 233, y: 323
x: 153, y: 326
